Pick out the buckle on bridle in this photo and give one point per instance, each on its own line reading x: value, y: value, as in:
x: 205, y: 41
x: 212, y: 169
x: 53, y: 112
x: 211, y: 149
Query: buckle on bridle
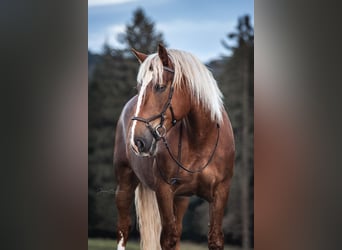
x: 160, y: 130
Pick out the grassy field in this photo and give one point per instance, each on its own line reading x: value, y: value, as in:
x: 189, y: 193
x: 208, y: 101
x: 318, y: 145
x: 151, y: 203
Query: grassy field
x: 106, y: 244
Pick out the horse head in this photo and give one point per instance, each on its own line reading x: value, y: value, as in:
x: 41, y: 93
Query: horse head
x: 160, y: 104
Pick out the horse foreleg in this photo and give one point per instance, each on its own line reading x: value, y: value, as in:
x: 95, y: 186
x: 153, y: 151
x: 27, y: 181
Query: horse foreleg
x: 180, y: 207
x: 216, y: 212
x: 126, y: 184
x: 169, y: 234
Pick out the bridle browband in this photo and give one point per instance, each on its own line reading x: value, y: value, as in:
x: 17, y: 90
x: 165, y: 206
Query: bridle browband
x: 159, y: 133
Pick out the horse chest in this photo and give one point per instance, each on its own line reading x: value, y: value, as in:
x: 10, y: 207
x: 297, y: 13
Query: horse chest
x: 143, y: 168
x: 195, y: 184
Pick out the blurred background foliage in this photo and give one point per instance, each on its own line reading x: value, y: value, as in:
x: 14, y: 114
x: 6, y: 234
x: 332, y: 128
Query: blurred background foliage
x: 112, y: 81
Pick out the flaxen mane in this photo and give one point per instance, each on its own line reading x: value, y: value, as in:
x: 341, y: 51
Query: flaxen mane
x: 189, y: 70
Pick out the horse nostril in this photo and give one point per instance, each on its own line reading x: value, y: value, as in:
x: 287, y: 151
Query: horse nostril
x: 140, y: 144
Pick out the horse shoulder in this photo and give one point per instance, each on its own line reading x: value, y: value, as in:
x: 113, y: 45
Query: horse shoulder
x: 121, y: 131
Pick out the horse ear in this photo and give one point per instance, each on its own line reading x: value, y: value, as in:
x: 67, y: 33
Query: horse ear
x: 140, y: 56
x: 163, y: 55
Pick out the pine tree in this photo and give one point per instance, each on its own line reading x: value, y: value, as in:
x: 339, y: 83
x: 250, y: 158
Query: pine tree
x: 111, y: 85
x: 238, y: 78
x: 141, y: 34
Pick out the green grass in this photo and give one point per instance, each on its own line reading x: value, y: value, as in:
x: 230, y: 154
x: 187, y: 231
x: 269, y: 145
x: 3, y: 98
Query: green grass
x: 106, y: 244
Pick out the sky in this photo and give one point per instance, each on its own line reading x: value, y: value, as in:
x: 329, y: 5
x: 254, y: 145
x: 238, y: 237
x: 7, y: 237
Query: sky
x: 196, y: 26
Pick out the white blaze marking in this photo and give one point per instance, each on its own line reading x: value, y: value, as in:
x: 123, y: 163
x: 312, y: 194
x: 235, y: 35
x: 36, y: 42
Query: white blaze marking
x: 145, y: 81
x: 120, y: 245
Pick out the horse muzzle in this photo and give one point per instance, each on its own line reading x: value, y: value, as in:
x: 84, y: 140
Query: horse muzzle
x: 144, y: 146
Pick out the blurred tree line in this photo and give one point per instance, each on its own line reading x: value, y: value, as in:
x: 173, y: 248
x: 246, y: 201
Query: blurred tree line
x: 112, y: 81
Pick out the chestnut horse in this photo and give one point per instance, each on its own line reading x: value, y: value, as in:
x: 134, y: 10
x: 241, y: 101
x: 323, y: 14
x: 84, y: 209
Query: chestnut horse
x: 173, y: 140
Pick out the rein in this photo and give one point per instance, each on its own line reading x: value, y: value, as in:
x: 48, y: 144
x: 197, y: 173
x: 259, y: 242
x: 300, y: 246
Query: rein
x: 178, y: 159
x: 159, y: 133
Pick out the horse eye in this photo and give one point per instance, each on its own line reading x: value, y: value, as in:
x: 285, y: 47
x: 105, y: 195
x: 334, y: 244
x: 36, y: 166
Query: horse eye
x: 160, y: 88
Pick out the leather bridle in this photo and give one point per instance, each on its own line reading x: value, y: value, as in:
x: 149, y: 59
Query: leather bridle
x: 159, y: 131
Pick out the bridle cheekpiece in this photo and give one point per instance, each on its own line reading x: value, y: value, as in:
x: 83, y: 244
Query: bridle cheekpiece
x: 159, y: 131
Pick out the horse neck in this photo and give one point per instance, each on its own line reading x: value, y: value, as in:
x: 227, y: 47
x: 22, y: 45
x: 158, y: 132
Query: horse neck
x: 200, y: 128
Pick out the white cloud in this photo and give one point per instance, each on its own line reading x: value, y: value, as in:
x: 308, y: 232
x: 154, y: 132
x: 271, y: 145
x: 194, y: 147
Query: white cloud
x: 116, y: 29
x: 92, y: 3
x: 112, y: 34
x: 108, y: 35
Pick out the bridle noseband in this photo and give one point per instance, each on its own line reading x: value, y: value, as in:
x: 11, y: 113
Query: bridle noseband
x: 159, y: 131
